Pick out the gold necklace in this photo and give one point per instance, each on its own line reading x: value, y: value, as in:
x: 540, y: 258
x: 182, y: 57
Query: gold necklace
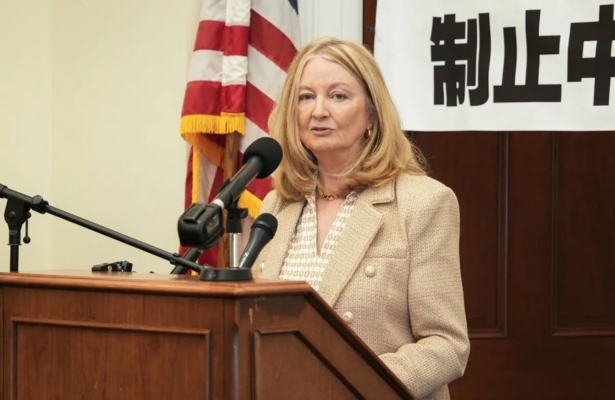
x: 328, y: 197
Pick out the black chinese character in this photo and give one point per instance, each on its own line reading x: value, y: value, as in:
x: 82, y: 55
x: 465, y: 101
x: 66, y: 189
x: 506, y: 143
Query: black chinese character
x: 602, y: 66
x: 453, y: 75
x: 509, y: 92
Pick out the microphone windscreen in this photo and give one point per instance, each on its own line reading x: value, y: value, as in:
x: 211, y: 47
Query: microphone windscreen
x: 266, y: 221
x: 268, y: 150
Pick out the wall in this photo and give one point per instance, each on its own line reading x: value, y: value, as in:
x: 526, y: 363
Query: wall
x: 25, y: 117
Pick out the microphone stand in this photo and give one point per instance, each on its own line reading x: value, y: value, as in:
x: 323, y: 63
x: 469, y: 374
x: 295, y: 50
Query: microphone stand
x: 17, y: 212
x: 234, y: 217
x: 193, y: 255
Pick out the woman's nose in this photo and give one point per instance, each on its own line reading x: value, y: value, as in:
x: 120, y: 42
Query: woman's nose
x: 320, y: 110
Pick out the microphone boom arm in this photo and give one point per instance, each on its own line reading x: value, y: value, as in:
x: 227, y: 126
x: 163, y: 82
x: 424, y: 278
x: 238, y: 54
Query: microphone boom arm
x: 17, y: 211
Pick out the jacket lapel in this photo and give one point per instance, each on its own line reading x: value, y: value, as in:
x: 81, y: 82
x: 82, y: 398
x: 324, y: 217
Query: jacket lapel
x: 276, y: 250
x: 359, y: 232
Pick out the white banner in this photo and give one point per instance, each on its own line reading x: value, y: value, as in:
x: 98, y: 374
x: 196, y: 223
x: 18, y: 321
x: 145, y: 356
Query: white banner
x: 499, y: 65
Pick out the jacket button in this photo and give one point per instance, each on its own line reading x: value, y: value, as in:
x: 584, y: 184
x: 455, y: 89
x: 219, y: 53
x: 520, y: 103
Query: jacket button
x: 347, y: 316
x: 370, y: 271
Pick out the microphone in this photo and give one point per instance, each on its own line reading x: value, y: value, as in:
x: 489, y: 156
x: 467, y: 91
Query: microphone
x: 261, y: 233
x: 201, y: 224
x: 260, y: 159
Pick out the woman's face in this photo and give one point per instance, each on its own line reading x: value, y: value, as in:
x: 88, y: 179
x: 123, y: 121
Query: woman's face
x: 332, y: 111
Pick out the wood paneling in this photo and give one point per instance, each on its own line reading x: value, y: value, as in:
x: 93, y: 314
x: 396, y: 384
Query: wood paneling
x: 117, y: 358
x: 272, y: 368
x: 127, y: 339
x: 481, y: 158
x: 288, y: 329
x: 584, y: 233
x: 369, y: 23
x: 559, y: 264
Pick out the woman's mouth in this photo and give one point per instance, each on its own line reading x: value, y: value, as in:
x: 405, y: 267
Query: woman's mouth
x: 321, y: 131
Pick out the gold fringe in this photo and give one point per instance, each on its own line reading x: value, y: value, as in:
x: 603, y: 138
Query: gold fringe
x: 251, y: 202
x: 233, y: 122
x: 214, y: 124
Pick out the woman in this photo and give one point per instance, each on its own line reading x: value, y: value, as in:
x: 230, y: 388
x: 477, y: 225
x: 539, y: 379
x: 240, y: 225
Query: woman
x: 361, y: 222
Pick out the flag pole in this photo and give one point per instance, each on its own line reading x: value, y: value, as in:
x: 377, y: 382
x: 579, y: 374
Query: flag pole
x: 231, y: 153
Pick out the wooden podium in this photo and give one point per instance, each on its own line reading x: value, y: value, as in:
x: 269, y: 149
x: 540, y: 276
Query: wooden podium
x: 80, y: 335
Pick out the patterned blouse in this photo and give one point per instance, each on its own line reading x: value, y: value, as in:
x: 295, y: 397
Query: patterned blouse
x: 302, y: 261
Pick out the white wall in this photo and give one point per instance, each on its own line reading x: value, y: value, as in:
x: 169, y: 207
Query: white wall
x: 90, y: 103
x: 25, y: 117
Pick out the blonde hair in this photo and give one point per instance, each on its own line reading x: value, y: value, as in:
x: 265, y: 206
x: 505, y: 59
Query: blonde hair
x: 383, y: 155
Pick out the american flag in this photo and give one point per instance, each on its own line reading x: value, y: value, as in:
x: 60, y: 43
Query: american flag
x: 242, y: 51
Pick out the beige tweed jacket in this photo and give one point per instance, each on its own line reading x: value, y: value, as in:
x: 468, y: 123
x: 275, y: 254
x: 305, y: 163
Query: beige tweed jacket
x: 395, y: 277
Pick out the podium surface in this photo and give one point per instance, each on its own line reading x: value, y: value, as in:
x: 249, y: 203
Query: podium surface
x: 107, y: 335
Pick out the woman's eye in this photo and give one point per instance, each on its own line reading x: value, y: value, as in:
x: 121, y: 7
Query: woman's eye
x: 339, y: 96
x: 305, y: 96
